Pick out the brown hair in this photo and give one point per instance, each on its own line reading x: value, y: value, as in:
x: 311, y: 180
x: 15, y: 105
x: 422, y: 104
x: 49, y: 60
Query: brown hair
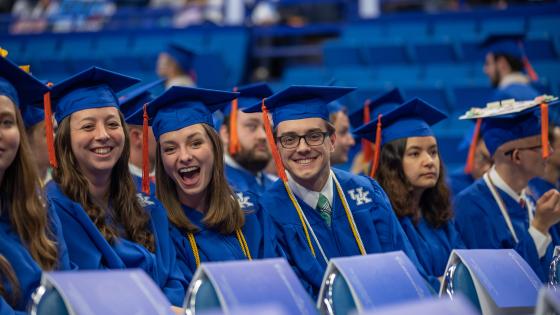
x: 7, y: 275
x: 224, y: 214
x: 127, y: 213
x: 434, y: 204
x: 23, y: 198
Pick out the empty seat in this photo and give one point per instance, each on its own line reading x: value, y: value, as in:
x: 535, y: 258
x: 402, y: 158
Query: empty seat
x: 379, y: 54
x: 454, y: 29
x: 547, y: 24
x: 398, y: 74
x: 434, y: 51
x: 502, y: 25
x: 337, y: 54
x: 435, y: 95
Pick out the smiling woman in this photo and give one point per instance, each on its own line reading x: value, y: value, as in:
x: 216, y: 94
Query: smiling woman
x: 212, y: 222
x: 105, y: 223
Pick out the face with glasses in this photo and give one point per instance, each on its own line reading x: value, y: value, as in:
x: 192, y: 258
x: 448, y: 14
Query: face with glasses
x: 527, y: 154
x: 305, y: 146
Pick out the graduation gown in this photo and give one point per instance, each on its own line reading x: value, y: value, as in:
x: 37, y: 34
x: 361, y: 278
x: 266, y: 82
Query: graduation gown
x: 26, y: 269
x: 243, y: 180
x: 212, y: 246
x: 432, y: 245
x: 482, y: 225
x: 88, y: 248
x: 458, y: 181
x: 138, y: 182
x: 376, y: 222
x: 536, y: 188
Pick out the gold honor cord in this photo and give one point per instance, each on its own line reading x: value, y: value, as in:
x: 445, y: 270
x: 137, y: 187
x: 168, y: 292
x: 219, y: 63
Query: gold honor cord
x: 350, y: 218
x: 240, y: 238
x: 300, y: 215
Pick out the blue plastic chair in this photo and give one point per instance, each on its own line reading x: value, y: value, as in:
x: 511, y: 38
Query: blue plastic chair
x: 548, y: 24
x: 51, y: 303
x: 502, y: 25
x: 455, y: 28
x: 458, y: 280
x: 338, y: 54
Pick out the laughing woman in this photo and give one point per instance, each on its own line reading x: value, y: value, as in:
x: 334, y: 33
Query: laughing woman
x: 30, y: 236
x: 106, y: 225
x: 411, y: 172
x: 212, y: 223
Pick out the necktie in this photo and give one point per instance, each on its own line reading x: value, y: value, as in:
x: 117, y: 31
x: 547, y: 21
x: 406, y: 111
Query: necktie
x: 324, y: 208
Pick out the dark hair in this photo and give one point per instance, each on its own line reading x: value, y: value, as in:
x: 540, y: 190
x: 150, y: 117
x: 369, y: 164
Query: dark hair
x: 224, y: 214
x: 516, y: 64
x: 127, y: 211
x: 435, y: 202
x: 22, y: 197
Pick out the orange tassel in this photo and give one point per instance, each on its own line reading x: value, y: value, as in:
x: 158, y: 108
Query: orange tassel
x: 270, y: 137
x: 472, y: 148
x: 145, y: 157
x: 366, y: 145
x: 375, y: 163
x: 544, y: 131
x: 234, y: 145
x: 530, y: 70
x: 49, y: 128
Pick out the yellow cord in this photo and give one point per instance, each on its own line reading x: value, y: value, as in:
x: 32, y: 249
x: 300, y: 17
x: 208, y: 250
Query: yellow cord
x: 300, y: 214
x: 243, y: 243
x: 350, y: 221
x: 240, y: 238
x: 194, y: 249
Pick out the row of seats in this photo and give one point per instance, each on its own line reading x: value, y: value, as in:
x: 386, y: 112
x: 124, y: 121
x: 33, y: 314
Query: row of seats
x: 390, y: 50
x: 451, y: 28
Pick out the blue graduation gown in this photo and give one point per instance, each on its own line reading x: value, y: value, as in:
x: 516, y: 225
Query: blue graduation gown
x: 518, y: 91
x: 243, y: 180
x: 88, y: 248
x: 432, y: 246
x: 376, y: 222
x: 212, y: 246
x: 482, y: 225
x: 458, y: 181
x: 536, y: 188
x: 138, y: 182
x: 26, y: 269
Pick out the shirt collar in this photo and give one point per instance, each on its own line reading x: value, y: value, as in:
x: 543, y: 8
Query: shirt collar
x: 513, y: 78
x: 312, y: 197
x: 136, y: 171
x: 501, y: 184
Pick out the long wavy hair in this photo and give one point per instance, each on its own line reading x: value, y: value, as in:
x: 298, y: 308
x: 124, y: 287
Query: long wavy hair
x: 22, y: 197
x: 8, y: 276
x: 126, y: 210
x: 435, y: 205
x: 224, y: 214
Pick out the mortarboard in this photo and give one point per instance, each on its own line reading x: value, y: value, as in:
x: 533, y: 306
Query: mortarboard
x: 411, y: 119
x: 508, y: 120
x: 248, y: 96
x: 18, y: 85
x: 507, y: 44
x: 182, y: 55
x: 379, y: 105
x: 91, y: 88
x: 300, y: 102
x: 180, y: 107
x: 132, y: 104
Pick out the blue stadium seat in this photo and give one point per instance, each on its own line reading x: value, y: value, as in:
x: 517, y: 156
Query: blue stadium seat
x: 76, y: 46
x: 434, y: 51
x: 194, y: 40
x: 502, y: 25
x: 465, y: 97
x: 356, y: 76
x: 549, y: 70
x: 469, y: 49
x: 366, y: 32
x: 408, y: 30
x: 148, y: 44
x: 398, y: 74
x: 109, y: 45
x: 15, y: 47
x: 538, y: 46
x: 305, y: 75
x: 231, y: 44
x: 455, y: 28
x: 547, y: 24
x: 41, y: 47
x: 380, y: 54
x: 337, y: 53
x: 448, y: 72
x: 51, y: 303
x: 435, y: 95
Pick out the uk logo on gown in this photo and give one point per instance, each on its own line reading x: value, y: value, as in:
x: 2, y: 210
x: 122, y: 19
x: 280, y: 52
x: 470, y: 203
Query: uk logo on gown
x: 360, y: 196
x: 243, y: 201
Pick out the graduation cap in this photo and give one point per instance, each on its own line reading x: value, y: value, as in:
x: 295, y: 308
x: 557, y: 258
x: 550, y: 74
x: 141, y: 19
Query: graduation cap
x: 510, y: 44
x: 132, y: 104
x: 411, y: 119
x: 372, y: 108
x: 91, y: 88
x: 248, y: 96
x: 182, y: 55
x: 180, y: 107
x: 19, y: 86
x: 502, y: 122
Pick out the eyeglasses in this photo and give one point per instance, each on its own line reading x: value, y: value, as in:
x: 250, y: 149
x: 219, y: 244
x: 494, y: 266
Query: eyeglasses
x: 533, y: 148
x: 312, y: 139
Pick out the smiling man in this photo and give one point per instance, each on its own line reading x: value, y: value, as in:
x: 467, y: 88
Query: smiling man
x: 321, y: 213
x: 244, y: 139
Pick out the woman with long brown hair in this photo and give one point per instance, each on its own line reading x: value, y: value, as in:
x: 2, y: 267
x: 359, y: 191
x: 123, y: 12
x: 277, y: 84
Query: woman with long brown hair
x: 411, y: 173
x: 212, y: 222
x: 106, y: 224
x: 30, y: 236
